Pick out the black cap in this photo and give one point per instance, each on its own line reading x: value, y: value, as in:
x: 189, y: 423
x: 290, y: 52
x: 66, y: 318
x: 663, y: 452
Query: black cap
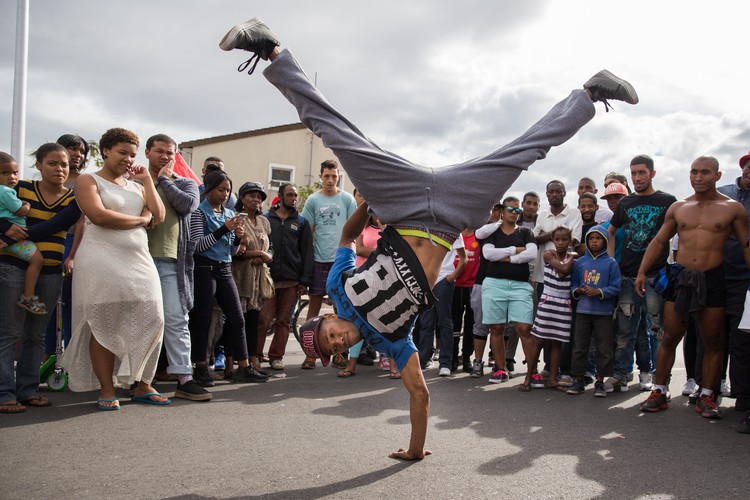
x: 249, y: 187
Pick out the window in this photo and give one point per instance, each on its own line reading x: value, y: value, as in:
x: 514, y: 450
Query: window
x: 280, y: 174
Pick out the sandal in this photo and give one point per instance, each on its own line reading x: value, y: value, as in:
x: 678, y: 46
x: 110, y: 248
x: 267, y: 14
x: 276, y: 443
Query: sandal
x: 559, y: 387
x: 346, y: 374
x: 524, y: 387
x: 12, y: 407
x: 108, y: 404
x: 37, y: 401
x: 395, y: 375
x: 32, y: 304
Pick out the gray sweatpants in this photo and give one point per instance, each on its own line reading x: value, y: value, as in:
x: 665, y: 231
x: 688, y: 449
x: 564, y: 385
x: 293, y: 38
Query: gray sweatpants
x: 447, y: 199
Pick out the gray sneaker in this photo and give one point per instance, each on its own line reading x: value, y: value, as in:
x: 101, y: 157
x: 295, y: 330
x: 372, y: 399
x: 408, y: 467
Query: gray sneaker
x: 477, y: 369
x: 614, y: 384
x: 604, y: 85
x: 253, y: 36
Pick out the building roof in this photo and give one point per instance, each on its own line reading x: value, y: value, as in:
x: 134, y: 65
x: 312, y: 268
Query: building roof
x: 241, y: 135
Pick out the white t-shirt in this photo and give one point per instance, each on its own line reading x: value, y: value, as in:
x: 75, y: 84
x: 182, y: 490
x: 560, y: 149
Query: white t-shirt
x: 447, y: 266
x: 570, y: 217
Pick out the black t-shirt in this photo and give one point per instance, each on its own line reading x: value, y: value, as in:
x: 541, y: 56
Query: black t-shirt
x: 505, y: 270
x: 641, y: 217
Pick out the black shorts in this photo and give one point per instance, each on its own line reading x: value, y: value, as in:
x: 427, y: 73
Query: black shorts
x: 716, y: 292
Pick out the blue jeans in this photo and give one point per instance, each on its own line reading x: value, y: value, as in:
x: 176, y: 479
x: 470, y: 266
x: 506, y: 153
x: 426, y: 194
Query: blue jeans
x: 440, y: 316
x: 176, y: 331
x: 632, y: 335
x: 17, y: 323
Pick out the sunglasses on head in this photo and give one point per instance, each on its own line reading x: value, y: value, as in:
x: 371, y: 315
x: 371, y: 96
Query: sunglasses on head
x: 513, y: 209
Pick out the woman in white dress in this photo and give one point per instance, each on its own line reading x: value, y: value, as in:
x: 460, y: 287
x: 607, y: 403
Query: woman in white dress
x: 118, y: 319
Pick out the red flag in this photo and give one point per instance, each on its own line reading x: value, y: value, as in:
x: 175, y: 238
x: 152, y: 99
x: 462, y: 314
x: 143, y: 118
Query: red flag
x: 182, y: 169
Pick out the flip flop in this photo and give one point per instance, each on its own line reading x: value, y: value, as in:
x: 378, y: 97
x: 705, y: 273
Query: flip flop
x: 558, y: 387
x: 146, y: 399
x: 103, y: 407
x: 346, y: 373
x: 9, y: 407
x: 37, y: 402
x: 395, y: 376
x: 524, y: 387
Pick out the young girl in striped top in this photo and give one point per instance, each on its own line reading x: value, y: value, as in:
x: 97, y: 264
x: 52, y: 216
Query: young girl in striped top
x: 554, y: 316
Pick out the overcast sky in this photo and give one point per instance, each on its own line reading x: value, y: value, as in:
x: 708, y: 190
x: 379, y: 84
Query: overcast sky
x: 436, y: 81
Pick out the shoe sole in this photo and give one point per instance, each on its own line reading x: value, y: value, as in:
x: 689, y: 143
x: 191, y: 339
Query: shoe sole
x: 193, y: 397
x: 573, y: 393
x: 600, y: 395
x: 250, y: 381
x: 656, y: 409
x: 230, y: 39
x: 632, y: 94
x: 711, y: 416
x: 496, y: 381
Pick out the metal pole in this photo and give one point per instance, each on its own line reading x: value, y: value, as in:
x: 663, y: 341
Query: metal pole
x: 18, y: 130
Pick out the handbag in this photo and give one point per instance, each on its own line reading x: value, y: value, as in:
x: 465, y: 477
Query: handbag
x: 267, y: 289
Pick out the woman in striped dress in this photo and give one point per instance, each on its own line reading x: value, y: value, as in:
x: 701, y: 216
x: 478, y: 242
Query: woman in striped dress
x: 554, y: 316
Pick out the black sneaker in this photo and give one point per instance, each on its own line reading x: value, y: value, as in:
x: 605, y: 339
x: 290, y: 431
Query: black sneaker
x: 599, y: 390
x: 365, y: 360
x: 202, y: 376
x: 467, y: 368
x: 192, y: 391
x: 604, y: 85
x: 577, y: 388
x: 248, y: 375
x: 510, y: 365
x: 744, y: 425
x: 253, y: 36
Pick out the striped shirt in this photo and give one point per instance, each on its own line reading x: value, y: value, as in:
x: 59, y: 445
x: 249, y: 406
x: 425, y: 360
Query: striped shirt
x: 52, y: 245
x: 203, y: 241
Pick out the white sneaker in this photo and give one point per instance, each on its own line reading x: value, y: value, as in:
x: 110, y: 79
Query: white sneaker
x: 690, y: 387
x: 444, y: 372
x: 725, y: 388
x: 645, y: 383
x: 276, y: 364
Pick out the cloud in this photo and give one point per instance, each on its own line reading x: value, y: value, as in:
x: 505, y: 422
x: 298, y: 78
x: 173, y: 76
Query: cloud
x: 435, y: 81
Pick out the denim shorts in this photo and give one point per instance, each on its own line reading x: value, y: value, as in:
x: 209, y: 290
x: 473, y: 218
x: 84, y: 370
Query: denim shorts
x: 506, y: 300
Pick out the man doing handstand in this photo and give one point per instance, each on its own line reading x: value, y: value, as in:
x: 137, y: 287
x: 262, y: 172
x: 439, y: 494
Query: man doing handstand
x: 424, y: 209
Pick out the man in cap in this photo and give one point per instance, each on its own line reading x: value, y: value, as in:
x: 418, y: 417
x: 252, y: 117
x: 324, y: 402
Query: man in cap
x: 424, y: 210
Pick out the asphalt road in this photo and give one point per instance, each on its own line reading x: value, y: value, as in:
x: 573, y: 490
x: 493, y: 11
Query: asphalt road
x: 313, y: 435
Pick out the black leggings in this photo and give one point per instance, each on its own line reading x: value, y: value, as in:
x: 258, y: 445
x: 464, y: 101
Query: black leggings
x: 214, y: 279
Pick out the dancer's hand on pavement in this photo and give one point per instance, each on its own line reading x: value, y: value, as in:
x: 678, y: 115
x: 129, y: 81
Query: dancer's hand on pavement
x: 405, y: 454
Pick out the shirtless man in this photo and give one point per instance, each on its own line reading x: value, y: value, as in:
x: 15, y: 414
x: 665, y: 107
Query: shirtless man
x: 703, y: 222
x: 424, y: 210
